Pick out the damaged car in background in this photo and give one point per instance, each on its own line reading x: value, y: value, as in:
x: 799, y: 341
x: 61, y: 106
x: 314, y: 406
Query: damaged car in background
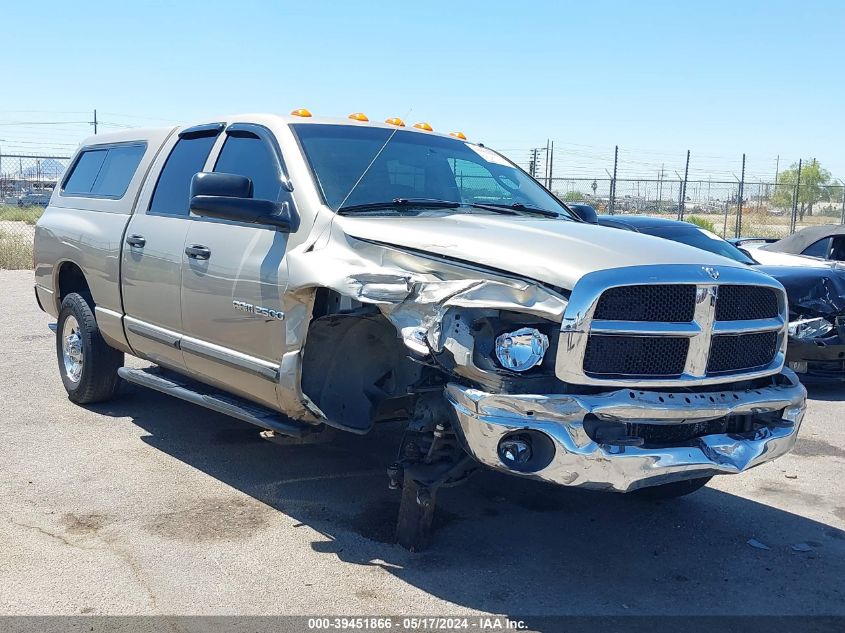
x: 301, y: 273
x: 815, y: 289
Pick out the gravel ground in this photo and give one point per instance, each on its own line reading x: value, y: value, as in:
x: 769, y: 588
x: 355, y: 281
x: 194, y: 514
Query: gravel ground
x: 148, y: 505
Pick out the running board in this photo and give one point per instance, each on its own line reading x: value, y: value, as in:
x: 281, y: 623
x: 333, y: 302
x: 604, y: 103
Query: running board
x: 196, y: 392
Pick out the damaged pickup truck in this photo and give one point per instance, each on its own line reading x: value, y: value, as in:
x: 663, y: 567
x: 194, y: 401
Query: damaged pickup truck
x: 302, y: 273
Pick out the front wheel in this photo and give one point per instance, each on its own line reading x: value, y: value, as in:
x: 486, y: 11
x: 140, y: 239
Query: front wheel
x: 674, y: 489
x: 88, y: 366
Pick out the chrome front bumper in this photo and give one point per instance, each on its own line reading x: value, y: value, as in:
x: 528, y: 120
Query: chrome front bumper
x: 484, y: 419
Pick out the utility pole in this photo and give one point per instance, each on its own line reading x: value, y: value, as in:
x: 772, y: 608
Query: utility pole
x: 532, y: 163
x: 551, y: 165
x: 739, y: 200
x: 683, y: 204
x: 95, y: 121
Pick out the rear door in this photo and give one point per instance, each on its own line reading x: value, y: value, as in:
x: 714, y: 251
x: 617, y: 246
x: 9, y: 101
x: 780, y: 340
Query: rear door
x: 154, y: 249
x: 234, y: 276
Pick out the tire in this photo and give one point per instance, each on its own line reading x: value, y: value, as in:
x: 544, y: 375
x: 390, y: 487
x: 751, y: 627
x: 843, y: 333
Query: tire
x: 674, y: 489
x: 87, y: 365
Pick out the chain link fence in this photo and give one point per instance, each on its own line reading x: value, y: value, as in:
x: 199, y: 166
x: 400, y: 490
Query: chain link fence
x: 730, y: 209
x: 26, y: 184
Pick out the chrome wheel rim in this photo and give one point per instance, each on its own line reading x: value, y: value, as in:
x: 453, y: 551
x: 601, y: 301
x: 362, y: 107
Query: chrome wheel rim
x: 72, y: 349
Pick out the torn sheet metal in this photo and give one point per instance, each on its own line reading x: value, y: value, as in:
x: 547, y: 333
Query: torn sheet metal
x: 812, y: 291
x: 413, y: 291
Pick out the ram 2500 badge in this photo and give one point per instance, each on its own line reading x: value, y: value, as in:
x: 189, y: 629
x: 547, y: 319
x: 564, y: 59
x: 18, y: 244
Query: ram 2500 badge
x: 302, y: 273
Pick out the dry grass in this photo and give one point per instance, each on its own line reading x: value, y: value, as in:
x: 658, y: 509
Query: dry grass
x: 29, y: 215
x: 15, y: 253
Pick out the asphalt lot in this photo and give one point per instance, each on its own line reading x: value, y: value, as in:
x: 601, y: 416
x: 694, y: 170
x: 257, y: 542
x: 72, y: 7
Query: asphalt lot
x: 148, y: 505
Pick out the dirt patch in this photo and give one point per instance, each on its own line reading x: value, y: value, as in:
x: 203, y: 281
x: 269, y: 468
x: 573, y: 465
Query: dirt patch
x: 82, y: 524
x: 213, y: 519
x: 811, y: 447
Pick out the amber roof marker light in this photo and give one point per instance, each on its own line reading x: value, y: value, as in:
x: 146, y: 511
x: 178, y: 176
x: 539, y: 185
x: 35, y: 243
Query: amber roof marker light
x: 301, y: 112
x: 395, y: 120
x: 358, y: 116
x: 422, y: 125
x: 459, y: 135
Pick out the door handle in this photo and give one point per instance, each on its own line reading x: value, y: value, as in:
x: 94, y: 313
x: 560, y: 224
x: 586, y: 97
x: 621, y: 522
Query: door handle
x: 198, y: 251
x: 137, y: 241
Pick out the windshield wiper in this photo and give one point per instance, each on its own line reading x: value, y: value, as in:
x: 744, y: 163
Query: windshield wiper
x: 516, y: 207
x: 416, y: 203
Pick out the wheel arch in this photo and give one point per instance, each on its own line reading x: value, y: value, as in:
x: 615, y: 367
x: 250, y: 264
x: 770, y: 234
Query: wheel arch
x: 70, y: 278
x: 352, y: 387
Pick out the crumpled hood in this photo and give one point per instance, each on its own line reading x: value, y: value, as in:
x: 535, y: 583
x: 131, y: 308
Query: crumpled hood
x: 556, y: 252
x: 812, y: 291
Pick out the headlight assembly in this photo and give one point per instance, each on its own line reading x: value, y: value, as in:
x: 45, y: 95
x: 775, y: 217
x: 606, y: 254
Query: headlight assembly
x: 521, y: 349
x: 810, y: 328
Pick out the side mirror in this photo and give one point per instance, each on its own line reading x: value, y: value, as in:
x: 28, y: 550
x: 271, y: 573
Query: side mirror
x: 585, y: 212
x: 229, y: 197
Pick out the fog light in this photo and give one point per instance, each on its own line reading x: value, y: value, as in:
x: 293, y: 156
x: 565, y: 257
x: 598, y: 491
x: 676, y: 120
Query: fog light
x: 515, y: 451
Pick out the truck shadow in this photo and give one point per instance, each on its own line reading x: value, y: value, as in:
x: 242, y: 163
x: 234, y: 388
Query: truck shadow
x: 512, y: 546
x: 828, y: 392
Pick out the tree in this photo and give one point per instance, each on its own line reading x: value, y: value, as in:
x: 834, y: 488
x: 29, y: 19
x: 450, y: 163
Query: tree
x: 573, y: 196
x: 815, y: 181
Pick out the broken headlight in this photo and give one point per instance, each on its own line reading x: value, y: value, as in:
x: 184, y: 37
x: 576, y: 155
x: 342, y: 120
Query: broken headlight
x: 810, y: 328
x: 521, y: 349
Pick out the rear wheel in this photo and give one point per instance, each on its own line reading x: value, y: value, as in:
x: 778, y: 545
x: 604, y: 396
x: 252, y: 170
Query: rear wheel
x: 674, y: 489
x: 88, y: 366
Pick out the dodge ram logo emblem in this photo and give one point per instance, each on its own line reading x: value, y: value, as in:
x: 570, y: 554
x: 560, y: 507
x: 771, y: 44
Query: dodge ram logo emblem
x: 713, y: 272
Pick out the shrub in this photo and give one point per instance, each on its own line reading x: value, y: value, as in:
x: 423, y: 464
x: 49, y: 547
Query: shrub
x: 702, y: 223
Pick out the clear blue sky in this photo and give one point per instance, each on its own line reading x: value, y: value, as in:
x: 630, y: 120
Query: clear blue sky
x: 657, y: 78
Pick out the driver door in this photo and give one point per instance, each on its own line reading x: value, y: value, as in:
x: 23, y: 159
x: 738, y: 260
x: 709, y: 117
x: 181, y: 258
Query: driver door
x: 234, y: 276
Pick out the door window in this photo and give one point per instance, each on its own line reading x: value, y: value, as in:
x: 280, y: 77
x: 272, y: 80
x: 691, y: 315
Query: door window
x: 818, y: 249
x: 838, y: 251
x: 248, y: 155
x: 173, y: 189
x: 81, y: 179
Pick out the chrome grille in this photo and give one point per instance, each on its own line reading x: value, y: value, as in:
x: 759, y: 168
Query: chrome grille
x: 636, y: 355
x: 729, y: 353
x: 671, y: 303
x: 689, y: 325
x: 743, y: 303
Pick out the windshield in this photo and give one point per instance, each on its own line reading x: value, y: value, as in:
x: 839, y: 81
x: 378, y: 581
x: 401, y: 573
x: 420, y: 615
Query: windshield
x: 700, y: 238
x: 413, y: 166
